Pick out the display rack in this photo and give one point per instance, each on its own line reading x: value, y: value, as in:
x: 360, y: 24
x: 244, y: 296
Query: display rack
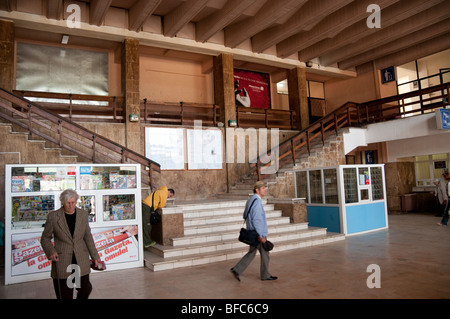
x: 110, y: 193
x: 349, y: 199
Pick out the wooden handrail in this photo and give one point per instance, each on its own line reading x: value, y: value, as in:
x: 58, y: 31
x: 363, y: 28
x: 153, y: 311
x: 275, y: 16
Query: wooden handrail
x: 355, y: 113
x: 178, y: 112
x: 88, y: 110
x: 24, y: 109
x: 270, y: 117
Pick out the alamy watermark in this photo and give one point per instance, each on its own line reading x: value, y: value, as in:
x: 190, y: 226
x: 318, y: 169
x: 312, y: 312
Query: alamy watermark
x: 374, y: 280
x: 74, y: 18
x: 238, y: 150
x: 374, y: 19
x: 73, y: 281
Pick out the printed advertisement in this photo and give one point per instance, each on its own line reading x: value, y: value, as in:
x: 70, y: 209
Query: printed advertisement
x: 252, y: 89
x: 114, y: 245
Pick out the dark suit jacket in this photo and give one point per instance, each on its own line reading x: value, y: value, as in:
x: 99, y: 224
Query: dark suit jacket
x: 81, y: 243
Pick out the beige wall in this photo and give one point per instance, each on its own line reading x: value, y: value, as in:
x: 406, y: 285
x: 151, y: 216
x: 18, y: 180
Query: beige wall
x: 363, y: 88
x: 170, y: 80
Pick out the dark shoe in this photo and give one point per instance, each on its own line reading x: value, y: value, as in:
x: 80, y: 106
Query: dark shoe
x: 236, y: 275
x: 271, y: 278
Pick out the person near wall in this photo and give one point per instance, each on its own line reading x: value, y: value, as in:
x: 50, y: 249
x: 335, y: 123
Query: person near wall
x: 159, y: 201
x: 73, y: 245
x: 444, y: 220
x: 256, y: 220
x: 440, y: 193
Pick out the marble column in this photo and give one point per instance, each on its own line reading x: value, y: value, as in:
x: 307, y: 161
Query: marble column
x: 298, y: 97
x: 7, y: 36
x: 130, y: 92
x: 224, y: 87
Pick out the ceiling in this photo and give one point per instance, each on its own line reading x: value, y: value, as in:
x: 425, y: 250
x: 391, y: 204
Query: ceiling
x: 329, y: 33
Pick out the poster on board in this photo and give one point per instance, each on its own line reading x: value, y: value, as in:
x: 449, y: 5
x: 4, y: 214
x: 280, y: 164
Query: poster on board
x: 252, y: 89
x: 114, y: 244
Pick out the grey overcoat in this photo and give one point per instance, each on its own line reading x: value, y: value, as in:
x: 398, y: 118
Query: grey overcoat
x: 82, y: 242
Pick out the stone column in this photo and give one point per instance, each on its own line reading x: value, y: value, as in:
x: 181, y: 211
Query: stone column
x: 130, y: 92
x: 298, y: 96
x: 224, y: 87
x: 225, y: 100
x: 7, y: 36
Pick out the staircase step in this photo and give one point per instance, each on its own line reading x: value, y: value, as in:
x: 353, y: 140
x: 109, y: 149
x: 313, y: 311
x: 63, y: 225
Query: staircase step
x: 222, y: 245
x: 224, y: 227
x: 211, y: 232
x: 230, y: 233
x: 158, y: 263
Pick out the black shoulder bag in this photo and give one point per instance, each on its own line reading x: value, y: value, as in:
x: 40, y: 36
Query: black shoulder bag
x: 249, y: 237
x: 154, y: 215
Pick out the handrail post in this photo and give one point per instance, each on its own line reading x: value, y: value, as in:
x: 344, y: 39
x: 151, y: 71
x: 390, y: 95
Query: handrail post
x: 60, y: 132
x: 266, y: 116
x: 293, y: 150
x: 94, y: 137
x: 358, y: 112
x: 367, y: 113
x: 114, y: 108
x: 349, y: 119
x: 70, y: 106
x: 150, y: 177
x: 181, y: 112
x: 237, y: 116
x: 145, y: 110
x: 29, y: 120
x: 322, y: 132
x: 308, y: 146
x: 448, y: 94
x: 336, y: 123
x: 258, y: 169
x: 214, y: 115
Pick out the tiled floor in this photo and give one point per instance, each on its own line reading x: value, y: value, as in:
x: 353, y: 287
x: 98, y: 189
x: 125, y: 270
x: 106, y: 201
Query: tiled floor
x: 413, y: 256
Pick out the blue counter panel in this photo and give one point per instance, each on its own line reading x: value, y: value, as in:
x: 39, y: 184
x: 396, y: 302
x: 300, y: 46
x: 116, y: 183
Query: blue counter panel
x: 324, y: 216
x: 365, y: 217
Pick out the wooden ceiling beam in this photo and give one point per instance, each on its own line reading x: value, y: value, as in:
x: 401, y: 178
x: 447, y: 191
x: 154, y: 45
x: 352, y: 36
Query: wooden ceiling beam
x: 216, y: 22
x: 329, y: 27
x: 385, y: 35
x: 391, y: 15
x: 54, y: 9
x: 98, y: 10
x: 304, y: 19
x: 414, y: 52
x: 175, y: 20
x: 140, y: 11
x: 398, y: 45
x: 267, y: 16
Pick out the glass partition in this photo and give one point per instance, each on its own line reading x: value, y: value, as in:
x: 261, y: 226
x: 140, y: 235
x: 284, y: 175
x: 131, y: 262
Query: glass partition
x: 350, y: 185
x: 42, y: 178
x: 31, y: 211
x: 376, y: 174
x: 315, y: 187
x: 118, y: 207
x: 302, y: 185
x: 331, y: 186
x: 106, y: 177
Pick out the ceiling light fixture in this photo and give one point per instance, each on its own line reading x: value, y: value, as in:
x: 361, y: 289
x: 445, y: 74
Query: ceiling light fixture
x: 65, y: 39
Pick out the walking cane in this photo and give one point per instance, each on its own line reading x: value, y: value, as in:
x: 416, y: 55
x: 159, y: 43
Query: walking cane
x: 59, y: 296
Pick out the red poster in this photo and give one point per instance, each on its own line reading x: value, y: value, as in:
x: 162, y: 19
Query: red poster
x: 252, y: 89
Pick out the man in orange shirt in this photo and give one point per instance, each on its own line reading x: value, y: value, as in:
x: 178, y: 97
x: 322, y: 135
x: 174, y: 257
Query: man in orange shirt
x: 156, y: 201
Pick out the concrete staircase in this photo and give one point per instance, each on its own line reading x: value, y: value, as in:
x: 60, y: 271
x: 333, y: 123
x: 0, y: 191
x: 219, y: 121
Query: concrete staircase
x: 34, y: 150
x: 211, y: 231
